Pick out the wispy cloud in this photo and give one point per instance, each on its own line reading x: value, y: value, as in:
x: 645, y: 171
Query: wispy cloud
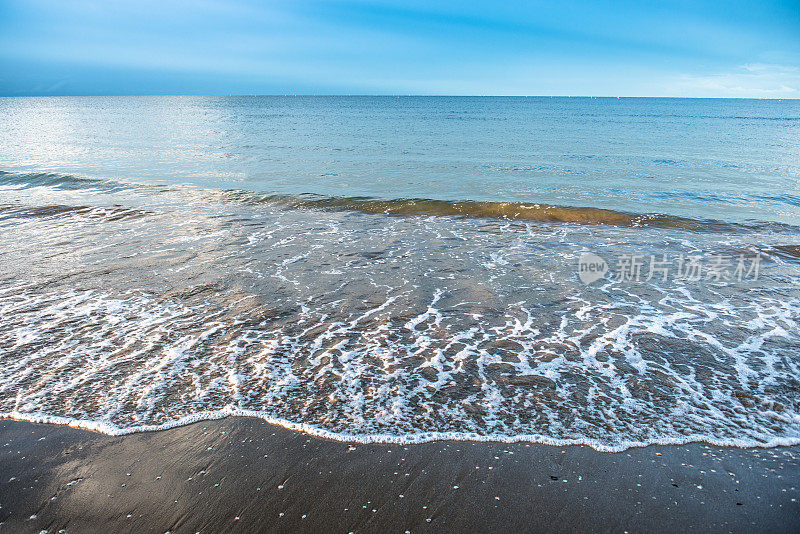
x: 753, y: 80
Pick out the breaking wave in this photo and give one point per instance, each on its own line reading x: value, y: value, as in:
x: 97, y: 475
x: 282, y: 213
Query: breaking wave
x: 521, y: 211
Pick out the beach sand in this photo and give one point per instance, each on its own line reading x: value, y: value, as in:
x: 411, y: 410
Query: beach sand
x: 244, y: 475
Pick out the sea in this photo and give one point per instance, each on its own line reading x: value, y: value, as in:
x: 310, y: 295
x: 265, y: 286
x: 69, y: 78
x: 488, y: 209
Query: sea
x: 597, y: 271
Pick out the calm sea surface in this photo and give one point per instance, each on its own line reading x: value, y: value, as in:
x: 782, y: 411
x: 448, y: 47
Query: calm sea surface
x: 405, y: 268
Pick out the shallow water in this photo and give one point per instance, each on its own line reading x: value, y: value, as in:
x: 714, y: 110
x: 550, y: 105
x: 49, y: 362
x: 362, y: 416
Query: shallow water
x: 402, y: 269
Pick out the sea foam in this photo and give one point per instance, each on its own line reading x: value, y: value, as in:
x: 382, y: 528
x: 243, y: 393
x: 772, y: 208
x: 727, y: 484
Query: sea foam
x: 126, y: 310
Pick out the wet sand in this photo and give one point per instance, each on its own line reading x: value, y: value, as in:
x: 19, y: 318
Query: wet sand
x: 244, y: 475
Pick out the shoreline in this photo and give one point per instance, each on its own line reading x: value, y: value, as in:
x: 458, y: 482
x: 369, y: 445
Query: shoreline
x: 244, y: 474
x: 389, y: 439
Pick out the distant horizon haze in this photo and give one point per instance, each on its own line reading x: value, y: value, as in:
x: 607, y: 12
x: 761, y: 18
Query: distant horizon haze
x: 388, y: 95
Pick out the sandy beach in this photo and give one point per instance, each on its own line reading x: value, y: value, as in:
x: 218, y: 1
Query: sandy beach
x: 244, y: 475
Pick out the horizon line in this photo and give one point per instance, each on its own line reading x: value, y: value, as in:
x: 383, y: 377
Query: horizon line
x: 392, y: 95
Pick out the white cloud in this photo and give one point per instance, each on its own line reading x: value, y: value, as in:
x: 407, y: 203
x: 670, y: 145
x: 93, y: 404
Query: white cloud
x: 752, y: 80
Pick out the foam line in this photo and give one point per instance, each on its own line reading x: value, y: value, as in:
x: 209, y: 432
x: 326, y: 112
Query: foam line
x: 109, y: 429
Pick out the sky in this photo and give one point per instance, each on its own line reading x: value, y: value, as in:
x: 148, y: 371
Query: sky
x: 603, y: 48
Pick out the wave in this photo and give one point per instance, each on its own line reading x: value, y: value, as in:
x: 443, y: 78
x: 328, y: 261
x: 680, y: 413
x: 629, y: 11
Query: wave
x: 110, y: 429
x: 522, y: 211
x: 409, y: 207
x: 379, y: 329
x: 110, y: 213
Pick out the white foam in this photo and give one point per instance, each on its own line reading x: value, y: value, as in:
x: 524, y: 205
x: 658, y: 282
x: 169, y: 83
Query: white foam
x: 110, y: 429
x: 377, y: 329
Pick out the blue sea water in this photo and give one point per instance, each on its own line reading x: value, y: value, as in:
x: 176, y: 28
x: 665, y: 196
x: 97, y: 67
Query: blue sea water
x: 738, y: 159
x: 404, y: 268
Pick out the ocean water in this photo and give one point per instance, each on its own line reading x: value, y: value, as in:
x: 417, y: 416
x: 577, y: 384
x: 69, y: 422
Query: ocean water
x: 403, y: 269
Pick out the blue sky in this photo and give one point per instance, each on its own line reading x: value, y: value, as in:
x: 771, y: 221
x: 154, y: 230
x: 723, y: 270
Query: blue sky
x: 603, y: 48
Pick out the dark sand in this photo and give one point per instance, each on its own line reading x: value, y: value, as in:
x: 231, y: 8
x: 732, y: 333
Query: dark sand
x: 245, y: 475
